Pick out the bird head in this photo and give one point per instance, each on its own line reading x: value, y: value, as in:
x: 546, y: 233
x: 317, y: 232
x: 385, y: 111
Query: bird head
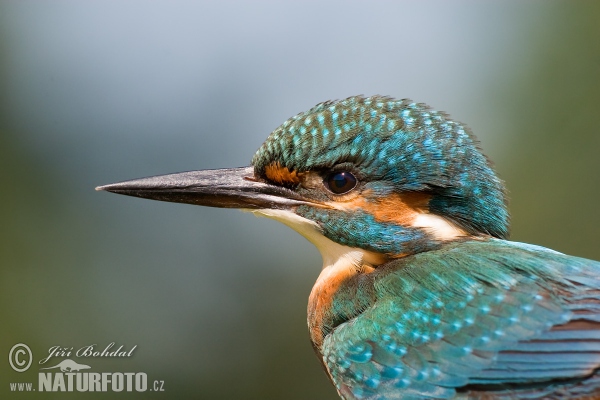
x: 373, y: 177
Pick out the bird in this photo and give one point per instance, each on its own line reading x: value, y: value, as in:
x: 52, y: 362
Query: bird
x: 421, y: 295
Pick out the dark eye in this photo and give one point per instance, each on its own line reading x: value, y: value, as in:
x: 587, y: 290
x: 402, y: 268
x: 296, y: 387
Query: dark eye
x: 340, y: 182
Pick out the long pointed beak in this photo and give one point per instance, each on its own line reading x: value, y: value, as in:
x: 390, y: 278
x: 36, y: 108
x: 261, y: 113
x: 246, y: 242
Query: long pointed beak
x: 224, y: 188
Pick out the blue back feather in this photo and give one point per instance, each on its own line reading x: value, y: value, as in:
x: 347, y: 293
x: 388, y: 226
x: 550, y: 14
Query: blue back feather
x: 479, y: 316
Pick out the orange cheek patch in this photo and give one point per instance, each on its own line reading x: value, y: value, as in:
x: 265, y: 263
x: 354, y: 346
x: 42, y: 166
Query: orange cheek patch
x: 276, y: 173
x: 399, y: 209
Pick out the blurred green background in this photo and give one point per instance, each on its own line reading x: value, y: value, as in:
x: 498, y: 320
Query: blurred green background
x: 96, y: 92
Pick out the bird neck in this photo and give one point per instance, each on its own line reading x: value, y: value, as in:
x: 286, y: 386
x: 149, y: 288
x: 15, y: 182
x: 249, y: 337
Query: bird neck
x: 326, y: 309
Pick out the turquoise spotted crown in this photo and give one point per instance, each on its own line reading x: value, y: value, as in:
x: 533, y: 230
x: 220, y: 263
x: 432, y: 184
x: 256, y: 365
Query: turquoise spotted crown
x: 402, y: 143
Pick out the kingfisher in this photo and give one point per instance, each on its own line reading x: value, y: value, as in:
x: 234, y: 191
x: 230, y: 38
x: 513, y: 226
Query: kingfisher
x: 421, y: 295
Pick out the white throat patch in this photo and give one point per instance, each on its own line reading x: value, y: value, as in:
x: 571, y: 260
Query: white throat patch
x: 333, y: 254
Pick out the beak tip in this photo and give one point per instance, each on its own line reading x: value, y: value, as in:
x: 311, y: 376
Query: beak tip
x: 105, y: 188
x: 111, y: 187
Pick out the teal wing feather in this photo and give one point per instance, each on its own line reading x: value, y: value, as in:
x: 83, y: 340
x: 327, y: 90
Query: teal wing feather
x: 472, y: 320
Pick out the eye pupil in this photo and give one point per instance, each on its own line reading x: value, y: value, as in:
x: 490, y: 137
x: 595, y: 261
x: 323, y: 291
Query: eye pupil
x: 340, y: 182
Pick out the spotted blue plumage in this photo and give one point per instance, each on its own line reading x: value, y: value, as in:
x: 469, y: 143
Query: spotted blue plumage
x: 405, y: 144
x: 471, y: 318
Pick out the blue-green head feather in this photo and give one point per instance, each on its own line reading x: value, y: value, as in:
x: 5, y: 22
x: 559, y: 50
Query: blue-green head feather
x: 391, y: 147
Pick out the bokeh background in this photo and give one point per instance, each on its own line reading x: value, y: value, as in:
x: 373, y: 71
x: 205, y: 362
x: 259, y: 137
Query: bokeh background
x: 93, y: 92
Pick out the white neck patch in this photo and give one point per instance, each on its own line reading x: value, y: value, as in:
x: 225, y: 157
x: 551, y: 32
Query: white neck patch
x: 439, y: 228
